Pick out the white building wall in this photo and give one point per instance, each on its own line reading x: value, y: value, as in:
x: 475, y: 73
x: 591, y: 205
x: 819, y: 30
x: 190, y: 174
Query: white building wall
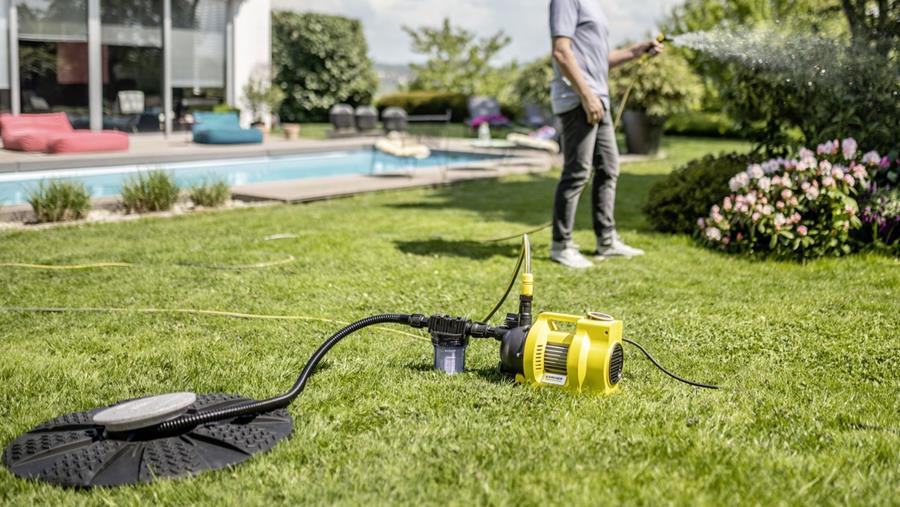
x: 252, y: 47
x: 4, y: 45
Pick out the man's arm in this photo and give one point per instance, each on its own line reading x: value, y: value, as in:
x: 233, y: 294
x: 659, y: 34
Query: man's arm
x: 568, y: 67
x: 651, y: 47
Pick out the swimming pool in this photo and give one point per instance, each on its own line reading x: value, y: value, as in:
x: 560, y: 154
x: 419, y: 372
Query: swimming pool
x: 107, y: 181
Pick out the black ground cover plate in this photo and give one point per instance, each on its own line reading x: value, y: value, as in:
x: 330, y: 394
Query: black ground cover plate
x: 72, y: 451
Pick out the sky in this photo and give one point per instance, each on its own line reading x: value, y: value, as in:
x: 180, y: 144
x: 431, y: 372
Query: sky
x: 523, y: 20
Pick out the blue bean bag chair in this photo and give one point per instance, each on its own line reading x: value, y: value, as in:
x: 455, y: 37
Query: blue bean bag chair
x: 222, y: 128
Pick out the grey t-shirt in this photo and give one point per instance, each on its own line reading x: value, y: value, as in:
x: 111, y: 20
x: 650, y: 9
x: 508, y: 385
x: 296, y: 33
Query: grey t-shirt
x: 584, y: 22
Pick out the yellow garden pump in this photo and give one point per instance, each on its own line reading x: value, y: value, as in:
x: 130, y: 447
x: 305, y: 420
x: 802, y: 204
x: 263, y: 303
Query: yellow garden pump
x: 588, y: 358
x: 183, y: 434
x: 579, y: 353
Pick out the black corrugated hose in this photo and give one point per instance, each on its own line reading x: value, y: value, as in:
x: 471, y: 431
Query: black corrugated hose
x: 261, y: 406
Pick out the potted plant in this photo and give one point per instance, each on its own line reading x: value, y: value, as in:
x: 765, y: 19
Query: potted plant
x: 262, y: 98
x: 659, y: 88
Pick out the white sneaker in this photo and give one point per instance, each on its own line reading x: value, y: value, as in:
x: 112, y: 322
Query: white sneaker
x: 569, y: 256
x: 615, y: 247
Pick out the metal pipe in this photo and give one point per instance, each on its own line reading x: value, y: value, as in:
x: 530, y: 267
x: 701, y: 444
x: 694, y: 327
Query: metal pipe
x: 168, y: 106
x: 95, y: 66
x: 15, y: 86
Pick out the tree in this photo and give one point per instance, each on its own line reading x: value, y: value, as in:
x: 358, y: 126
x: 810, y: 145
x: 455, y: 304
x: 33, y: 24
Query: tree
x: 319, y: 61
x: 533, y: 83
x: 804, y: 102
x: 874, y: 22
x: 457, y: 61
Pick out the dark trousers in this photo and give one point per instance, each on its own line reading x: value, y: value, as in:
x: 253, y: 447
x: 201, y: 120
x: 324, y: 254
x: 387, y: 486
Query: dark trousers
x: 586, y: 148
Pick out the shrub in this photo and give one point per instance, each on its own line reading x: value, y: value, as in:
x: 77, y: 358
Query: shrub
x: 661, y: 87
x: 533, y: 83
x: 58, y: 201
x: 697, y: 123
x: 262, y: 96
x: 210, y: 194
x: 424, y: 102
x: 792, y: 209
x: 225, y: 108
x: 152, y: 191
x: 320, y: 60
x: 675, y: 203
x: 880, y: 217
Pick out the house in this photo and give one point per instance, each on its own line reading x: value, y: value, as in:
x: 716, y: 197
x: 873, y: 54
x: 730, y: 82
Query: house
x: 132, y: 65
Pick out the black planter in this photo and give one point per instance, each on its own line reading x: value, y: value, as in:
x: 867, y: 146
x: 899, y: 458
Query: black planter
x: 643, y: 133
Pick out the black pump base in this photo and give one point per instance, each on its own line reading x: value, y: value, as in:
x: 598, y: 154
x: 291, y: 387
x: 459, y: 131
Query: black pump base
x: 72, y: 451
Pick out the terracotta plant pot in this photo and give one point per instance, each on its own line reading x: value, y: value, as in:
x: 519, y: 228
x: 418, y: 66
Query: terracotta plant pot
x: 291, y: 131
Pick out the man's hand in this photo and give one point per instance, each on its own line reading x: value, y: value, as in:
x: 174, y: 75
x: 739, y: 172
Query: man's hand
x: 651, y: 47
x: 593, y: 108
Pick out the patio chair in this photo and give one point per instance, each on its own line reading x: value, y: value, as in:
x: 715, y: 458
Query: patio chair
x: 366, y: 118
x: 394, y: 119
x: 486, y: 110
x: 222, y: 128
x: 537, y: 116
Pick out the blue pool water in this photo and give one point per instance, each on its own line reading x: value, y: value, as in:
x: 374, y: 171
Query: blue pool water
x: 107, y: 181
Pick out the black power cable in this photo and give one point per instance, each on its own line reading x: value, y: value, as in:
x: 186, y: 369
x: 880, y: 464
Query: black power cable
x: 262, y: 406
x: 667, y: 372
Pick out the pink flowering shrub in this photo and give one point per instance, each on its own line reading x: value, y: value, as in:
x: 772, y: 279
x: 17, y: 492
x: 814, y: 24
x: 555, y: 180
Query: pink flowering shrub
x: 797, y: 208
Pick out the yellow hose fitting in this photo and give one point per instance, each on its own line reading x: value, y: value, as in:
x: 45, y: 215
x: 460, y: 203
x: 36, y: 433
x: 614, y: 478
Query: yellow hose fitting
x: 527, y: 284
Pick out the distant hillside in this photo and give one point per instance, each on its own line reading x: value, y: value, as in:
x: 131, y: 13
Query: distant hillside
x: 392, y: 77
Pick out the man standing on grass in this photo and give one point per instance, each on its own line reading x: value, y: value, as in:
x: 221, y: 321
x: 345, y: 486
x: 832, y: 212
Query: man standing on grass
x: 580, y: 97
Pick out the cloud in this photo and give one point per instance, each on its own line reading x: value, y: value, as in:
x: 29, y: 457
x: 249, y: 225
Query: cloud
x: 523, y: 20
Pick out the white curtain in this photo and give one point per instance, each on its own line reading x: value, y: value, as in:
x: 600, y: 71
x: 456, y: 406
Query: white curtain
x: 54, y: 22
x: 198, y: 47
x: 198, y: 59
x: 136, y: 36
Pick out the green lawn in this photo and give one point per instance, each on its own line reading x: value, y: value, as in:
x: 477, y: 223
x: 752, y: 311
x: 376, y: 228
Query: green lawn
x: 808, y: 356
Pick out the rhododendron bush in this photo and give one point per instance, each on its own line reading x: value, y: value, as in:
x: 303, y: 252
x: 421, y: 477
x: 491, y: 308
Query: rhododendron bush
x: 797, y: 208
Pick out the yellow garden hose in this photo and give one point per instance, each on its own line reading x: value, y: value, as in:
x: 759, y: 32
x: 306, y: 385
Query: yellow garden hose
x: 71, y: 267
x: 66, y: 267
x: 189, y: 311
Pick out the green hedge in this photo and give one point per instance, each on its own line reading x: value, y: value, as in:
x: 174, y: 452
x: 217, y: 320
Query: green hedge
x: 427, y: 103
x: 686, y: 194
x: 696, y: 123
x: 319, y: 61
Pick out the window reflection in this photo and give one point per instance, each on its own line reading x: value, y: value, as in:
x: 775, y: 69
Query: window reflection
x: 198, y: 61
x: 53, y: 59
x: 131, y: 33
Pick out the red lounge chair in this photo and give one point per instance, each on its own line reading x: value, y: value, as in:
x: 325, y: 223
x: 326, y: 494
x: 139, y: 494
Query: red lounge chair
x: 52, y: 133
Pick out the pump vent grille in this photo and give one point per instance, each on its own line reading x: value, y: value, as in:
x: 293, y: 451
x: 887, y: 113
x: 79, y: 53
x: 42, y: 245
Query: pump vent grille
x: 616, y: 362
x: 555, y: 358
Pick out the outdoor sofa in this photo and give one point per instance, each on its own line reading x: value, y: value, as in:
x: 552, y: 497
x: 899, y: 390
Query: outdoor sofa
x: 52, y: 133
x: 222, y: 128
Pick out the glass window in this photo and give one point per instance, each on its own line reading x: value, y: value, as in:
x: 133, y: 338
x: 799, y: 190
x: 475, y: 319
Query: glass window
x: 131, y: 22
x: 198, y: 56
x: 53, y: 20
x: 131, y: 33
x: 53, y: 58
